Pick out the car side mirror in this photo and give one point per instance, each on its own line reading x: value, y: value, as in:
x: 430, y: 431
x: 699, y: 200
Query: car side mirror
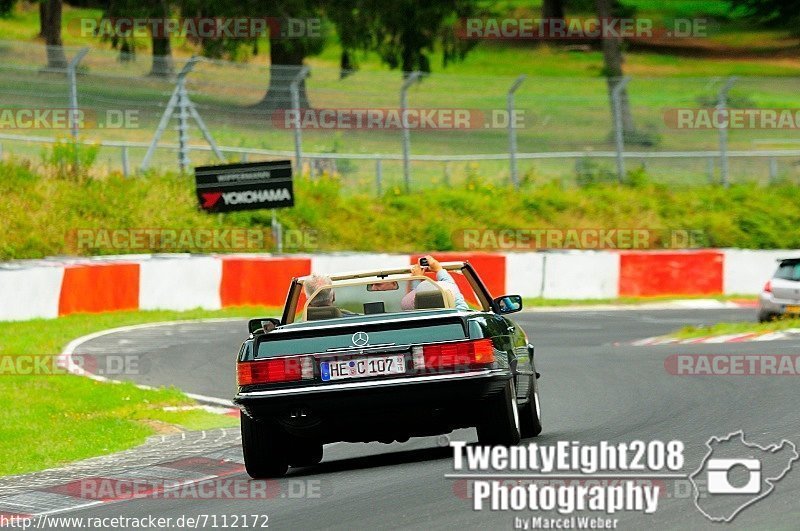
x: 507, y: 304
x: 267, y: 324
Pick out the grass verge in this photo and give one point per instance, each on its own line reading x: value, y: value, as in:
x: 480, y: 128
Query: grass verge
x: 41, y: 215
x: 50, y: 420
x: 721, y: 329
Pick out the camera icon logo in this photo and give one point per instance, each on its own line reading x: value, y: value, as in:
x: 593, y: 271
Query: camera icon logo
x: 735, y: 474
x: 719, y: 481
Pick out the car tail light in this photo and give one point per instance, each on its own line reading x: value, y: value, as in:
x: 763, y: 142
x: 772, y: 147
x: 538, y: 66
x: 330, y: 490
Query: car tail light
x: 443, y: 355
x: 273, y: 370
x: 768, y: 287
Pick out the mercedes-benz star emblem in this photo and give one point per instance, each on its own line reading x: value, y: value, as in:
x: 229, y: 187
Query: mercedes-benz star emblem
x: 360, y: 339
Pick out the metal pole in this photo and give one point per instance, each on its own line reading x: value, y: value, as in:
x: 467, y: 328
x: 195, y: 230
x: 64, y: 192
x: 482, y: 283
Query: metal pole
x: 73, y: 90
x: 294, y: 87
x: 412, y: 78
x: 618, y: 132
x: 173, y: 101
x: 125, y: 167
x: 183, y: 127
x: 722, y: 104
x: 379, y: 176
x: 773, y: 169
x: 277, y: 232
x: 710, y: 170
x: 512, y: 131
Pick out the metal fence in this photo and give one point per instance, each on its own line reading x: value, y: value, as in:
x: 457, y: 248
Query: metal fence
x: 567, y: 128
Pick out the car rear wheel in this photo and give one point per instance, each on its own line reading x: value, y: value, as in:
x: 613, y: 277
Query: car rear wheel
x: 263, y: 448
x: 304, y: 452
x: 766, y: 317
x: 500, y: 423
x: 530, y: 413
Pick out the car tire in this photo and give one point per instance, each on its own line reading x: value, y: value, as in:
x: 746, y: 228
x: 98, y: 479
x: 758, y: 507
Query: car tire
x: 766, y: 317
x: 304, y: 452
x: 263, y: 448
x: 500, y: 423
x: 530, y: 413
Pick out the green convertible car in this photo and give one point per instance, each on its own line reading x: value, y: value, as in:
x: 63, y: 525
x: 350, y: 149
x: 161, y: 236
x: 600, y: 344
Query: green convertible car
x: 383, y: 356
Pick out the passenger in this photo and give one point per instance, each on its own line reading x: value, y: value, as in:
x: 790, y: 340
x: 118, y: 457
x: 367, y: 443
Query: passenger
x: 325, y: 297
x: 445, y: 280
x: 323, y: 302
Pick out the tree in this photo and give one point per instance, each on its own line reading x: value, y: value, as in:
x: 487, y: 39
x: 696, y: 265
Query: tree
x: 50, y: 24
x: 293, y: 35
x: 6, y: 7
x: 613, y: 59
x: 163, y: 64
x: 782, y: 13
x: 553, y: 9
x: 404, y: 33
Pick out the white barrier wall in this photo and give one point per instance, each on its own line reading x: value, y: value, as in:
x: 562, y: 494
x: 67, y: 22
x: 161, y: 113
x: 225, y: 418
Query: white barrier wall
x: 33, y: 288
x: 180, y: 283
x: 581, y: 275
x: 30, y: 293
x: 524, y: 274
x: 746, y: 272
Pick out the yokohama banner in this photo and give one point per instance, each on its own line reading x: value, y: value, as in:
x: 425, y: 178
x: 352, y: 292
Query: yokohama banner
x: 249, y: 186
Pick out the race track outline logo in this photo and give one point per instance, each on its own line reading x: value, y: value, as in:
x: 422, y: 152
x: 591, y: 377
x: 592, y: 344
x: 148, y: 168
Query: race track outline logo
x: 763, y: 465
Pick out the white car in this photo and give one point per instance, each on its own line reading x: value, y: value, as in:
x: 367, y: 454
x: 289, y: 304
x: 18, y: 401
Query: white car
x: 781, y: 295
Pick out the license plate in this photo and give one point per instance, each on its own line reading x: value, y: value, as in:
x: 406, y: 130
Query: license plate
x: 362, y: 367
x: 793, y: 309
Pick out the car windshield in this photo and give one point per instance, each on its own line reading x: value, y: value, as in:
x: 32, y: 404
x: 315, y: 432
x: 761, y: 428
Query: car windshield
x: 789, y: 271
x: 375, y: 297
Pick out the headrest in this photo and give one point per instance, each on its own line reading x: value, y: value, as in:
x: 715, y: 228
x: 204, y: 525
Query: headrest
x: 427, y: 300
x: 319, y: 313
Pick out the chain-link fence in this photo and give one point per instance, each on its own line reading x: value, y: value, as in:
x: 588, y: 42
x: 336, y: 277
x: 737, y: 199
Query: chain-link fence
x: 457, y: 127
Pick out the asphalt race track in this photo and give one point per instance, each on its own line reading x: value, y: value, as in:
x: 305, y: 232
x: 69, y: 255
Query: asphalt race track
x: 591, y: 390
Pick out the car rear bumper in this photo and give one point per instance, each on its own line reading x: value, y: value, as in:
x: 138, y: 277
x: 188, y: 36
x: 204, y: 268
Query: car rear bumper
x: 384, y: 409
x: 768, y: 304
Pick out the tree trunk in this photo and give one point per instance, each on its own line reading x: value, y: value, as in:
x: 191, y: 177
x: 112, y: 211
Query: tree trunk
x: 613, y: 58
x: 163, y: 64
x: 51, y: 28
x: 42, y: 16
x: 553, y: 9
x: 285, y: 61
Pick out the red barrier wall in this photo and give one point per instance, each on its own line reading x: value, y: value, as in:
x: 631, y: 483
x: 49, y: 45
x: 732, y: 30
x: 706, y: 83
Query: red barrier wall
x: 99, y: 288
x: 671, y: 273
x: 254, y: 281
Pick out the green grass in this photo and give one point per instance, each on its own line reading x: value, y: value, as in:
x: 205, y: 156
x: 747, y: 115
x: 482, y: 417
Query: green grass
x: 40, y: 214
x: 47, y: 421
x: 721, y: 329
x: 627, y: 301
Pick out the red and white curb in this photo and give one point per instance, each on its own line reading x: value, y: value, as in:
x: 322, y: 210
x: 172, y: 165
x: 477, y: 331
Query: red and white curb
x: 792, y: 333
x: 183, y: 462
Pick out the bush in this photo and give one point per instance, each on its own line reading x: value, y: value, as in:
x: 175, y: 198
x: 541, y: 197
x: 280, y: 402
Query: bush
x: 69, y: 160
